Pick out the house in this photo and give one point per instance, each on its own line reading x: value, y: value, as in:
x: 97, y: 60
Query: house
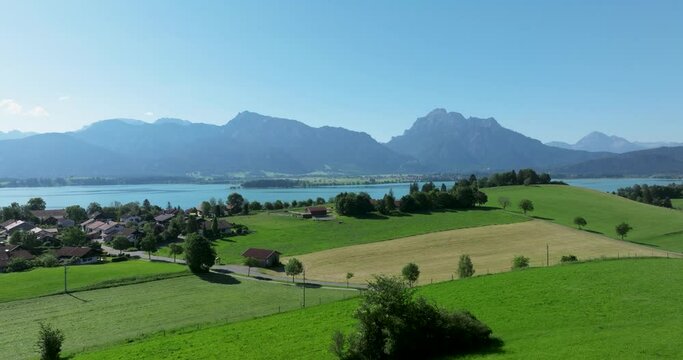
x: 77, y: 255
x: 224, y: 227
x: 163, y: 218
x: 110, y: 228
x: 84, y: 225
x: 317, y: 211
x: 65, y: 223
x: 129, y: 233
x: 93, y: 226
x: 19, y: 225
x: 49, y: 217
x: 265, y: 257
x: 45, y: 235
x: 132, y: 219
x: 9, y: 252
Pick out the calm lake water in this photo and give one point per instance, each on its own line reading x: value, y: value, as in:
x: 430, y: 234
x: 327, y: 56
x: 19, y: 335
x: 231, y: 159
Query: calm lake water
x: 189, y: 195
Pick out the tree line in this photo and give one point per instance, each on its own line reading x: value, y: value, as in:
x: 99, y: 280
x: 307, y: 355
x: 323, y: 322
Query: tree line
x: 657, y: 195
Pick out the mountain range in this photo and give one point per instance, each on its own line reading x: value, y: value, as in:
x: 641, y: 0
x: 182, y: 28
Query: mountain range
x: 441, y: 141
x: 600, y: 142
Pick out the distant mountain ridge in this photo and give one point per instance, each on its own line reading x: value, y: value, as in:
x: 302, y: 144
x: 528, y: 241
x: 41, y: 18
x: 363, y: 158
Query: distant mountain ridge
x: 444, y: 141
x: 600, y: 142
x: 663, y: 161
x: 441, y: 141
x: 15, y: 134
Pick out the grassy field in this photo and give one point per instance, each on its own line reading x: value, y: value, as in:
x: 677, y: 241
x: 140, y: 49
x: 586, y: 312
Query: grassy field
x: 655, y: 226
x: 491, y: 249
x: 47, y: 281
x: 625, y: 309
x: 105, y: 316
x: 293, y: 236
x: 677, y: 203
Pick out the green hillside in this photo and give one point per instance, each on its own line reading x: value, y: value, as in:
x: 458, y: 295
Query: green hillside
x: 294, y: 236
x: 106, y: 316
x: 46, y: 281
x: 655, y: 226
x: 625, y: 309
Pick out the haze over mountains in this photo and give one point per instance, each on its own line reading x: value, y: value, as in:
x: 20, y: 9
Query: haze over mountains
x: 441, y: 141
x: 597, y: 142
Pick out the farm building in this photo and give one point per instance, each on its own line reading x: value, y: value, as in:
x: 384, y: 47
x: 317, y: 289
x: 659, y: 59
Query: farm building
x: 265, y: 257
x: 80, y: 255
x: 9, y: 252
x: 317, y: 211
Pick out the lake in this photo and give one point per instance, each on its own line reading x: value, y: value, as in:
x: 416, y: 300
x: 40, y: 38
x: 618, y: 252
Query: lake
x: 190, y: 195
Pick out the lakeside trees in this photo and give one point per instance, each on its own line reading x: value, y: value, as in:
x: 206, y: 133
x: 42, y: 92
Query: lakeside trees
x: 653, y: 194
x: 200, y: 256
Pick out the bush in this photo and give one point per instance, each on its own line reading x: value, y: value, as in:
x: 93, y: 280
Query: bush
x: 18, y: 264
x: 50, y: 342
x: 568, y: 258
x: 393, y: 324
x: 465, y: 267
x: 119, y: 259
x: 520, y: 262
x: 48, y: 260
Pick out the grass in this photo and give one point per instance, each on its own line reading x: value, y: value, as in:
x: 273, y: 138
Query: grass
x: 677, y: 203
x: 626, y: 309
x: 491, y: 248
x: 47, y: 281
x: 652, y: 225
x: 105, y: 316
x: 293, y: 236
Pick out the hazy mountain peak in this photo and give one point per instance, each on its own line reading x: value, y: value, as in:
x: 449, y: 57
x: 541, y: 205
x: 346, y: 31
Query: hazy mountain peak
x: 174, y: 121
x: 597, y: 141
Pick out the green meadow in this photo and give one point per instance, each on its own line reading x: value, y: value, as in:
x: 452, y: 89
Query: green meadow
x: 107, y: 316
x: 677, y: 203
x: 619, y: 309
x: 294, y: 236
x: 47, y: 281
x: 652, y: 225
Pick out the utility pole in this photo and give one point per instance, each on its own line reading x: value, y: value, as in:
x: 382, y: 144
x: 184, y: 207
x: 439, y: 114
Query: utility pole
x: 65, y: 277
x: 304, y: 287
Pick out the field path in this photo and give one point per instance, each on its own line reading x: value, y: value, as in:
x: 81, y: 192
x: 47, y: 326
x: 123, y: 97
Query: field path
x: 491, y: 248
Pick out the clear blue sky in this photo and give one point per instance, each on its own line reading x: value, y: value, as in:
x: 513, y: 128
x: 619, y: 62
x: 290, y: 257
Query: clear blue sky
x: 553, y: 70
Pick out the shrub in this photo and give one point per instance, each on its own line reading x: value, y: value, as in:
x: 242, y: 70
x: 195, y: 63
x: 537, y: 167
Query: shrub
x: 393, y: 324
x: 580, y: 222
x: 410, y: 273
x: 568, y: 258
x: 48, y: 260
x: 18, y: 264
x: 50, y: 342
x: 119, y: 259
x: 465, y: 267
x: 520, y: 262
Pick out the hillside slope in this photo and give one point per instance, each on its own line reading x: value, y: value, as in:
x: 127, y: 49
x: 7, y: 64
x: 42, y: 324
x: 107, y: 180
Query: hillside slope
x: 654, y: 226
x: 627, y: 309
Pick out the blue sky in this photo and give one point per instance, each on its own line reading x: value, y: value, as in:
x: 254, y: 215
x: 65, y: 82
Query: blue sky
x: 553, y: 70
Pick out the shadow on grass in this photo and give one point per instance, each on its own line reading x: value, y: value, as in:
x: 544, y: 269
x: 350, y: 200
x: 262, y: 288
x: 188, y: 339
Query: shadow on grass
x: 593, y: 231
x: 543, y: 218
x: 494, y: 347
x: 77, y: 298
x: 218, y: 279
x: 309, y: 286
x: 642, y: 243
x: 372, y: 216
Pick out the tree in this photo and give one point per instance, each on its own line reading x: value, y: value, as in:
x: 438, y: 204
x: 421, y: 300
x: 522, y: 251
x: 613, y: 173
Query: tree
x: 414, y: 187
x: 236, y: 201
x: 94, y: 207
x: 319, y: 201
x: 74, y: 236
x: 526, y: 205
x: 411, y: 272
x: 48, y: 260
x: 480, y: 198
x: 256, y: 206
x: 191, y: 226
x: 623, y: 229
x: 504, y: 202
x: 214, y: 227
x: 36, y: 203
x: 205, y: 208
x: 176, y: 249
x: 349, y: 275
x: 580, y: 222
x: 351, y: 204
x: 76, y: 213
x: 393, y: 324
x: 120, y: 243
x: 520, y: 262
x: 50, y: 341
x: 465, y: 267
x: 250, y: 262
x: 17, y: 264
x: 245, y: 208
x: 149, y: 244
x: 199, y: 254
x: 294, y: 267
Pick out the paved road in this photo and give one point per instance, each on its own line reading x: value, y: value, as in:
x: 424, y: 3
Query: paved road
x: 242, y: 271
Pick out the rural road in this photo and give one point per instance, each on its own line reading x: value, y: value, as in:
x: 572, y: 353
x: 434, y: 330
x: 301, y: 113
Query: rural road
x: 243, y: 271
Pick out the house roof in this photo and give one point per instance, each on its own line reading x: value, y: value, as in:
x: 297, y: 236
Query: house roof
x: 316, y: 209
x: 163, y: 217
x: 259, y: 254
x: 95, y: 225
x: 46, y: 214
x: 19, y: 224
x: 108, y: 226
x: 69, y: 251
x: 87, y: 222
x: 8, y: 222
x: 7, y: 252
x: 128, y: 232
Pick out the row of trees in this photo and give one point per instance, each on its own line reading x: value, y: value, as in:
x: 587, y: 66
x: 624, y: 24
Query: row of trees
x: 653, y: 194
